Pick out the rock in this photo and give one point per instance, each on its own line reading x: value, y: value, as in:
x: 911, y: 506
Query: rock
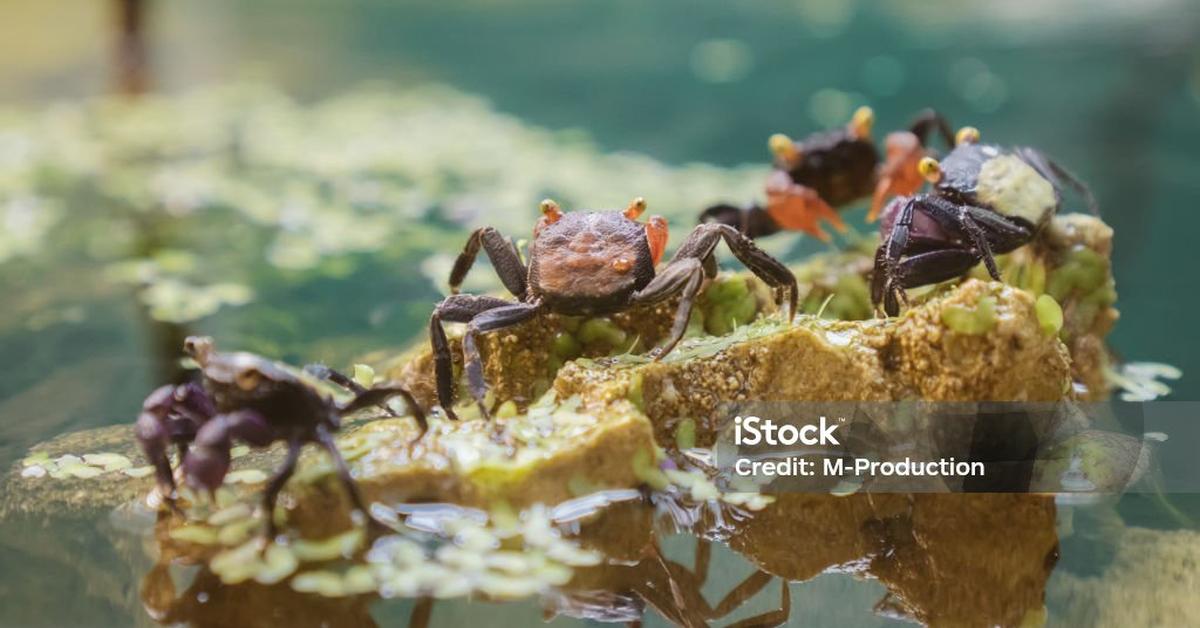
x: 1151, y: 581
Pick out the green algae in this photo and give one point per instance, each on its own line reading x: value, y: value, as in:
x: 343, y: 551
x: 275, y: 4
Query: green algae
x: 971, y: 321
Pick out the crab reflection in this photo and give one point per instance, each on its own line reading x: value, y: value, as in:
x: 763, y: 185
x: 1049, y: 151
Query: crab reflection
x: 944, y: 560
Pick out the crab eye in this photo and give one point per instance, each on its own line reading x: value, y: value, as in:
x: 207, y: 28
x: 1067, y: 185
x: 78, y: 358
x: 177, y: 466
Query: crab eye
x: 247, y: 379
x: 635, y: 208
x: 930, y: 169
x: 783, y: 147
x: 861, y: 122
x: 967, y: 135
x: 551, y: 210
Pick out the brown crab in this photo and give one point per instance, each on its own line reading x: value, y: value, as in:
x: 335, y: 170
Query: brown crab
x: 586, y: 263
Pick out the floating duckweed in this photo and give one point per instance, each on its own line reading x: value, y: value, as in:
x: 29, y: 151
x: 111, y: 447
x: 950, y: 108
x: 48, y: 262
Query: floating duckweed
x: 646, y: 469
x: 237, y: 531
x: 698, y: 485
x: 138, y: 472
x: 507, y: 410
x: 685, y: 434
x: 749, y: 500
x: 601, y: 330
x: 358, y: 580
x: 198, y: 534
x: 231, y: 514
x: 1139, y: 381
x: 364, y: 375
x: 246, y: 476
x: 33, y: 471
x: 109, y: 462
x: 322, y: 582
x: 971, y: 321
x: 1049, y: 314
x: 37, y: 457
x: 338, y: 546
x: 565, y: 346
x: 278, y: 563
x: 81, y: 471
x: 238, y: 451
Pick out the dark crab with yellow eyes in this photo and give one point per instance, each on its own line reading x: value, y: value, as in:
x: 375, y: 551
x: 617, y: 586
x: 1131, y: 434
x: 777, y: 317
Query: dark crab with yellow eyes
x: 246, y: 397
x: 586, y: 263
x: 986, y: 200
x: 832, y: 169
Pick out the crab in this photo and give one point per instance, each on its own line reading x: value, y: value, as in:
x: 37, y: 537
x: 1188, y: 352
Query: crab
x: 586, y: 263
x: 247, y: 397
x: 986, y: 200
x: 832, y: 169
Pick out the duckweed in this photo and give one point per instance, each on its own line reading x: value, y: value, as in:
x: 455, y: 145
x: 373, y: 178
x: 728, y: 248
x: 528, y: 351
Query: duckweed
x: 971, y: 321
x: 685, y: 434
x: 1049, y: 314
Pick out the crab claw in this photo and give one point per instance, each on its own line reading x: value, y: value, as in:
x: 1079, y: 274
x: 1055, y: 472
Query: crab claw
x: 899, y: 174
x: 799, y: 208
x: 205, y: 467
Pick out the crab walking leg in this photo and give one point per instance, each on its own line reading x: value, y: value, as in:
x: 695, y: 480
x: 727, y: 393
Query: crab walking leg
x: 491, y: 320
x: 503, y: 255
x: 153, y: 437
x: 704, y: 239
x: 1058, y: 175
x: 753, y: 221
x: 271, y: 495
x: 457, y: 308
x: 378, y: 397
x: 325, y: 438
x: 928, y: 121
x: 921, y: 270
x: 747, y: 589
x: 777, y: 617
x: 341, y: 379
x: 681, y: 276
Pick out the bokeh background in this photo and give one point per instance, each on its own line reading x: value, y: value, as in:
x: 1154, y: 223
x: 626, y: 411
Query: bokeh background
x: 295, y: 176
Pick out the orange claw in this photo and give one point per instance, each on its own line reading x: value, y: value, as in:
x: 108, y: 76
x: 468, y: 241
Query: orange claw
x: 898, y: 175
x: 656, y: 235
x: 799, y: 208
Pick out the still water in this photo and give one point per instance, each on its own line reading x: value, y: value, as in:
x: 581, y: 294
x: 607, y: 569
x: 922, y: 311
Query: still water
x: 300, y: 185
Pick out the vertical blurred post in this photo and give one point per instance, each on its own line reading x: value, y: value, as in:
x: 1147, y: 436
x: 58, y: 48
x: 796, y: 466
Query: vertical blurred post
x: 132, y: 72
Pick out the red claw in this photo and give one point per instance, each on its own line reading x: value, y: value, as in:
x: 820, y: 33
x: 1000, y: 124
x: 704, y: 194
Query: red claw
x: 656, y: 234
x: 799, y: 208
x: 898, y: 175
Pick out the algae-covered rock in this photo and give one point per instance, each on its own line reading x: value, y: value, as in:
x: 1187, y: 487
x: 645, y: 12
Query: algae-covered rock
x: 915, y: 356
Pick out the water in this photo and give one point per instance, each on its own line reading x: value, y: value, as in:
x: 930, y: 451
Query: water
x: 1110, y: 91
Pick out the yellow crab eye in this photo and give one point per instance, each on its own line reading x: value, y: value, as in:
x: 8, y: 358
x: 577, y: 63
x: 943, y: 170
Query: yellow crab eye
x: 861, y: 122
x: 782, y: 147
x: 247, y: 379
x: 930, y: 169
x: 967, y: 135
x: 551, y: 210
x: 635, y: 208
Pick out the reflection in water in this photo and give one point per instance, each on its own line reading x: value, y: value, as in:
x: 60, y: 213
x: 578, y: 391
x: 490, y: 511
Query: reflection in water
x: 944, y: 560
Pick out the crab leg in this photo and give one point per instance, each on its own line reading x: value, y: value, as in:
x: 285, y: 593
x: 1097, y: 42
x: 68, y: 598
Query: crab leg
x: 753, y: 221
x: 1058, y: 175
x: 341, y: 379
x: 457, y: 308
x: 271, y: 494
x: 503, y: 255
x: 378, y: 396
x: 930, y: 120
x: 491, y: 320
x: 684, y: 276
x: 325, y: 439
x: 704, y: 239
